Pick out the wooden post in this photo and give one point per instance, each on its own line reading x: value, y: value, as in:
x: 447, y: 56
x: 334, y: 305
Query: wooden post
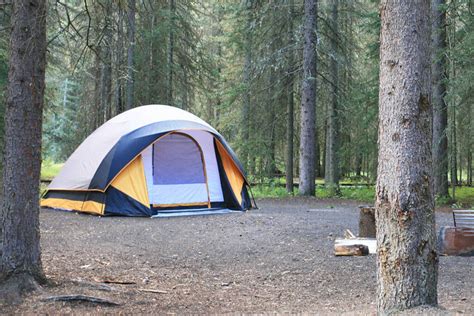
x: 367, y: 221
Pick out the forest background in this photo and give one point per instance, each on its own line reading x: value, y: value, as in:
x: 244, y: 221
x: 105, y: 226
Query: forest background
x: 238, y: 65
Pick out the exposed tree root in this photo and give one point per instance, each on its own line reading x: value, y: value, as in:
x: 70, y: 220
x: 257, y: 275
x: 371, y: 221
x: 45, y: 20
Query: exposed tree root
x: 13, y: 287
x: 81, y: 298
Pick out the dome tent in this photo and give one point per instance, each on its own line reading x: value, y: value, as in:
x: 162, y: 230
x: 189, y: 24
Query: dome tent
x: 150, y: 160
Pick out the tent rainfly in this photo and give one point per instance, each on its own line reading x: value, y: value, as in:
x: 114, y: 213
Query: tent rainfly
x: 148, y: 160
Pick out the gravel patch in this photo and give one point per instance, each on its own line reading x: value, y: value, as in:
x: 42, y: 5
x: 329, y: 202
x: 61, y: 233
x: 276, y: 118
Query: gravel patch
x: 275, y: 259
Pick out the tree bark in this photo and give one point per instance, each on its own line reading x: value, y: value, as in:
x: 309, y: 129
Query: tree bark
x: 452, y: 127
x: 130, y: 56
x: 171, y: 52
x: 119, y: 106
x: 331, y: 176
x: 308, y: 101
x: 106, y: 77
x: 367, y: 226
x: 106, y: 87
x: 407, y: 265
x: 20, y: 235
x: 97, y: 118
x: 150, y: 91
x: 245, y: 115
x: 440, y: 109
x: 290, y: 102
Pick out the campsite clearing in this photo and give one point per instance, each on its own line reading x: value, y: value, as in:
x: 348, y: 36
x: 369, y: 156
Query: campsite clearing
x: 275, y: 259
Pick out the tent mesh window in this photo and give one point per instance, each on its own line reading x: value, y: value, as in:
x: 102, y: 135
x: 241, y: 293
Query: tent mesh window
x: 177, y: 159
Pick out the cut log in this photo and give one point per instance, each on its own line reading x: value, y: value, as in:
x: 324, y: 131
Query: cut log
x: 371, y: 243
x: 351, y: 250
x: 367, y: 221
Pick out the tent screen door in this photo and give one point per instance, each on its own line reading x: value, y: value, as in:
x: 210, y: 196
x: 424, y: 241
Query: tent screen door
x: 177, y: 160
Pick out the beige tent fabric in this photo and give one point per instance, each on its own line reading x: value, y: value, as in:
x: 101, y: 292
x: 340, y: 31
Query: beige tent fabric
x: 81, y: 166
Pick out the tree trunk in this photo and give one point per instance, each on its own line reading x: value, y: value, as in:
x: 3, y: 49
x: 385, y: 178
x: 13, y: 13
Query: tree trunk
x: 358, y: 163
x: 106, y: 87
x: 131, y: 51
x: 150, y: 91
x: 407, y: 265
x: 106, y: 76
x: 118, y: 102
x: 317, y: 156
x: 440, y: 110
x: 470, y: 143
x: 171, y: 52
x: 97, y: 121
x: 469, y: 167
x: 331, y: 176
x: 452, y: 127
x: 245, y: 115
x: 185, y: 98
x: 308, y: 101
x: 20, y: 235
x: 367, y: 226
x: 290, y: 103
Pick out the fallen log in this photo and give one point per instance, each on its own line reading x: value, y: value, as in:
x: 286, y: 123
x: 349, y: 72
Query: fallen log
x: 81, y: 298
x: 351, y: 250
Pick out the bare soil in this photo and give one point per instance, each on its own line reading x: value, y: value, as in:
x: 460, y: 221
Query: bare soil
x: 275, y: 259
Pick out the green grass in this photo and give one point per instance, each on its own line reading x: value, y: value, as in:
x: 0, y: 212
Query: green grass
x: 464, y: 195
x: 363, y: 194
x: 50, y: 169
x: 276, y: 189
x: 269, y: 191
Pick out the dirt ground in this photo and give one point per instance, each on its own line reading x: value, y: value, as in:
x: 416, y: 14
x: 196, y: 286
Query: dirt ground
x: 275, y: 259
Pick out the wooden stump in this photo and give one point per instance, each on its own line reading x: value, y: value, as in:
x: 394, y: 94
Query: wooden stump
x: 367, y: 221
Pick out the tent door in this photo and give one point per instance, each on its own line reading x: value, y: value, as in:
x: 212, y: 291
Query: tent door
x: 176, y: 173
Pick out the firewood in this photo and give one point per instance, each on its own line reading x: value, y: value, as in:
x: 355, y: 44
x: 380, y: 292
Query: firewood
x: 351, y: 250
x: 348, y: 234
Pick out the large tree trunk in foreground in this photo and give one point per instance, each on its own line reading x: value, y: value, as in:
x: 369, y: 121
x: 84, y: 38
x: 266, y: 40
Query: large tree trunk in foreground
x: 407, y: 265
x: 308, y: 101
x: 20, y: 249
x: 440, y: 109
